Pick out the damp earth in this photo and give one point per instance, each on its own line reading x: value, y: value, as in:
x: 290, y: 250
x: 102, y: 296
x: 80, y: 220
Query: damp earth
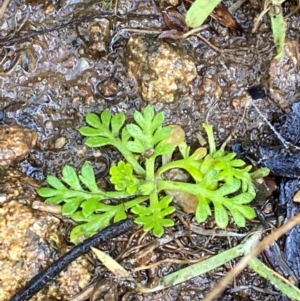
x: 63, y: 59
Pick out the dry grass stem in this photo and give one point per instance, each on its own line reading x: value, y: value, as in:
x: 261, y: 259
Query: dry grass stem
x: 254, y: 253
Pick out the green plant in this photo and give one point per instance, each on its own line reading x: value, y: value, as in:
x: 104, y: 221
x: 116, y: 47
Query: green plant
x: 218, y: 179
x: 201, y: 9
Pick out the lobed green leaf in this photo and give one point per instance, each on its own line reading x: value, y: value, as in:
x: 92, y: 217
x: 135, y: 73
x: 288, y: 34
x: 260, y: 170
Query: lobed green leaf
x: 90, y: 132
x: 221, y: 215
x: 48, y: 192
x: 120, y: 214
x: 163, y: 149
x: 55, y: 199
x: 136, y: 147
x: 160, y: 134
x: 139, y: 119
x: 123, y: 178
x: 203, y: 210
x: 229, y: 187
x: 125, y: 136
x: 87, y: 177
x: 243, y: 198
x: 55, y: 183
x: 93, y: 120
x: 69, y: 208
x: 70, y: 177
x: 89, y: 206
x: 157, y: 121
x: 117, y: 122
x: 105, y: 118
x: 219, y: 178
x: 238, y: 218
x: 135, y: 131
x: 98, y: 141
x: 148, y: 114
x: 95, y: 223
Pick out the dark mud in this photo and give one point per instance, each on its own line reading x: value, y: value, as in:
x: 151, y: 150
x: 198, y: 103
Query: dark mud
x: 63, y: 59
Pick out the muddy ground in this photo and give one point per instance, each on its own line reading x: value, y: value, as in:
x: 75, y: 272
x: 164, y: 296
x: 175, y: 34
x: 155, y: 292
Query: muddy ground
x: 63, y: 59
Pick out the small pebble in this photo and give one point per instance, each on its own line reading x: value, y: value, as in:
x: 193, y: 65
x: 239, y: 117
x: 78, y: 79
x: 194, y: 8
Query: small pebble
x: 3, y: 198
x: 49, y: 125
x: 50, y: 9
x: 60, y: 142
x: 297, y: 197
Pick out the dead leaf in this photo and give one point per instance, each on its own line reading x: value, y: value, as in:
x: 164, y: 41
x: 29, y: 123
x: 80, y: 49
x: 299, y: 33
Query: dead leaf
x: 177, y: 136
x: 222, y: 15
x: 112, y: 265
x: 173, y: 19
x: 297, y: 197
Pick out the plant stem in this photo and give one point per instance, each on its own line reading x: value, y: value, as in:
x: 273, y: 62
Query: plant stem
x: 135, y: 202
x: 129, y: 157
x: 168, y: 166
x: 280, y: 282
x: 150, y: 176
x: 101, y: 195
x: 204, y: 266
x: 183, y: 164
x: 196, y: 269
x: 185, y: 187
x: 211, y: 140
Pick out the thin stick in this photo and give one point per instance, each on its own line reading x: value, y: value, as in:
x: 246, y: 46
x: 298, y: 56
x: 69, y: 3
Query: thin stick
x: 266, y: 8
x: 293, y: 11
x: 210, y: 44
x: 194, y: 31
x: 3, y: 7
x: 85, y: 294
x: 221, y: 286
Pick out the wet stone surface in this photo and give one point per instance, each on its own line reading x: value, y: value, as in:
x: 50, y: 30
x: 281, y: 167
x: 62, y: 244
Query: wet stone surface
x: 15, y: 143
x: 283, y: 80
x: 162, y: 72
x: 30, y: 241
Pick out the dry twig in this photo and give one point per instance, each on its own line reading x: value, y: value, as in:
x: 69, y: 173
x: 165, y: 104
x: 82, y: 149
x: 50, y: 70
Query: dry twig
x: 3, y: 7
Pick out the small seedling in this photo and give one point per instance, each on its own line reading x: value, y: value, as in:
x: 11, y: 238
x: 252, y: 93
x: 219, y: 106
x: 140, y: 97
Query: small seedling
x: 141, y: 183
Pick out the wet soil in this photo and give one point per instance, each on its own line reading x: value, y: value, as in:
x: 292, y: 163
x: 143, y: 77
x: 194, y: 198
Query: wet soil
x: 63, y: 59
